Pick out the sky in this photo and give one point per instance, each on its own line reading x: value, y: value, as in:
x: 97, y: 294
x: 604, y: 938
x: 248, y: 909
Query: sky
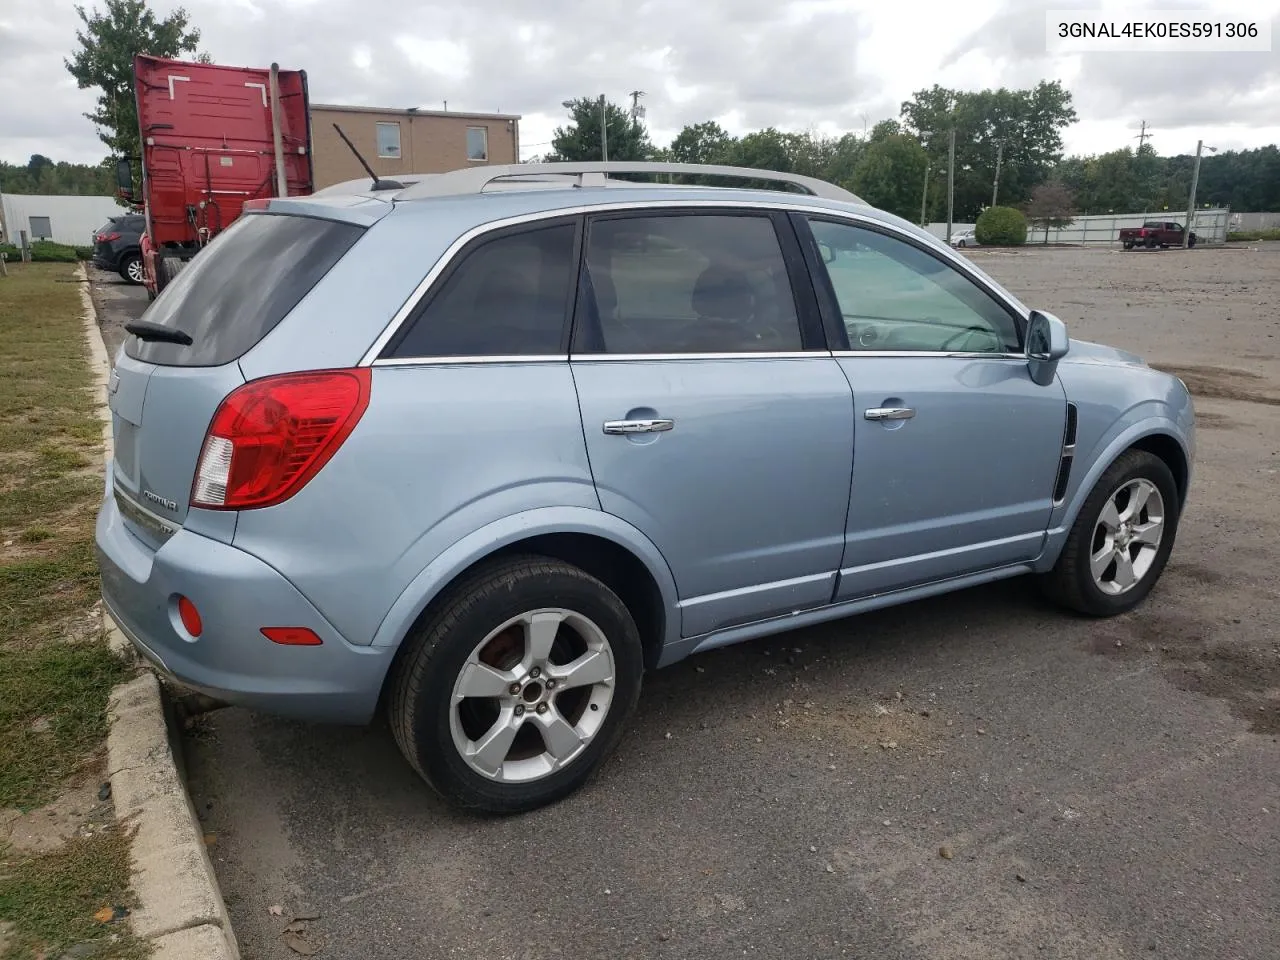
x: 828, y: 66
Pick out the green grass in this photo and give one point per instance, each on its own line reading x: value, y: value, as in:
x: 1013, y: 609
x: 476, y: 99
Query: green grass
x: 55, y: 666
x: 50, y: 900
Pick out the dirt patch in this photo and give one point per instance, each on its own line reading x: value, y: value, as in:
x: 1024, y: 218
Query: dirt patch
x: 891, y: 726
x: 1214, y: 421
x: 1202, y: 657
x: 76, y: 813
x: 1222, y: 383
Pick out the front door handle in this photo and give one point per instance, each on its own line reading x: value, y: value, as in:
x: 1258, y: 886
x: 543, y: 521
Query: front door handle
x: 637, y: 426
x: 890, y: 413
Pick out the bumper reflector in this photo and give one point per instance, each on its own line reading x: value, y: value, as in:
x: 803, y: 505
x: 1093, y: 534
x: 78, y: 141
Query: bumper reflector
x: 190, y: 617
x: 292, y: 636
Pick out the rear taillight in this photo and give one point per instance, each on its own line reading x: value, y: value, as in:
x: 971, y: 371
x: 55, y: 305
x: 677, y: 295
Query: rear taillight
x: 108, y: 237
x: 269, y: 437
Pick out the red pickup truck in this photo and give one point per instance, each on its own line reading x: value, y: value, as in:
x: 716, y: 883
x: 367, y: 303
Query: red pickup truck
x: 1155, y: 233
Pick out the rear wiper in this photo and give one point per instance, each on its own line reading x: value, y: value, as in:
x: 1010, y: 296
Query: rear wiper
x: 146, y: 330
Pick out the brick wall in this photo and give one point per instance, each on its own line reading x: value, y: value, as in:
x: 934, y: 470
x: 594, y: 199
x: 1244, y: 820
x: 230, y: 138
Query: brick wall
x: 430, y: 141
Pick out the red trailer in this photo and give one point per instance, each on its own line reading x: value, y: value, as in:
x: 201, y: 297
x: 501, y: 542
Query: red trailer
x: 213, y: 138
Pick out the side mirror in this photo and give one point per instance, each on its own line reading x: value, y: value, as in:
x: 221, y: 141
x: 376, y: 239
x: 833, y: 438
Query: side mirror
x: 124, y: 178
x: 1047, y: 343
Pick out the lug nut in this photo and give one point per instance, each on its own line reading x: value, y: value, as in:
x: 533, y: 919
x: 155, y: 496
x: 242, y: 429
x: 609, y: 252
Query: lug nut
x: 542, y: 708
x: 535, y: 673
x: 519, y: 709
x: 551, y: 684
x: 513, y: 689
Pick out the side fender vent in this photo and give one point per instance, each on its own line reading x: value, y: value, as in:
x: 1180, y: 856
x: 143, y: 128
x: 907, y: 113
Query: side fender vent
x: 1068, y: 454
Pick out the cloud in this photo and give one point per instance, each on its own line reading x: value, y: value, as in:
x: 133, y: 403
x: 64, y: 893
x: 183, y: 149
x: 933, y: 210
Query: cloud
x: 829, y: 65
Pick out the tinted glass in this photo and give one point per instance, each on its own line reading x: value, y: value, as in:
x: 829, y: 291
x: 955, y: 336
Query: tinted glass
x: 893, y: 295
x: 477, y: 143
x: 703, y: 283
x: 238, y: 288
x: 507, y: 297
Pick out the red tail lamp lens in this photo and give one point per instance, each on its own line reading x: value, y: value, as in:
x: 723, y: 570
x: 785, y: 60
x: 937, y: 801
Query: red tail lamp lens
x: 292, y: 636
x: 190, y: 617
x: 269, y: 437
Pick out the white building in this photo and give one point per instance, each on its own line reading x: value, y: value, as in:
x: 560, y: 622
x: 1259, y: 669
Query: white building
x: 69, y: 220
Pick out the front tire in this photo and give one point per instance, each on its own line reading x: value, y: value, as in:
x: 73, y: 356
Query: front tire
x: 518, y: 686
x: 1121, y: 541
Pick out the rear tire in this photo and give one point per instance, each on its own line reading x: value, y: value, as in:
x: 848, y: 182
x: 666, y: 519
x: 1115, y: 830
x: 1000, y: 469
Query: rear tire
x: 1128, y: 245
x: 1138, y: 495
x: 485, y: 662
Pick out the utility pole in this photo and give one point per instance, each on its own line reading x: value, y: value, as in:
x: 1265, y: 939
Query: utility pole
x: 1191, y: 202
x: 951, y: 182
x: 604, y: 134
x: 924, y: 196
x: 1143, y: 136
x: 637, y: 111
x: 995, y: 188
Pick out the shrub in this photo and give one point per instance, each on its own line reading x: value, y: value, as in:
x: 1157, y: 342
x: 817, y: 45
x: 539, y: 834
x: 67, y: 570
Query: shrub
x: 45, y: 251
x: 1001, y: 227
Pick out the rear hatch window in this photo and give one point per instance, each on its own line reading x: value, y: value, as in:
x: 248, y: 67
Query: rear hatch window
x: 238, y: 288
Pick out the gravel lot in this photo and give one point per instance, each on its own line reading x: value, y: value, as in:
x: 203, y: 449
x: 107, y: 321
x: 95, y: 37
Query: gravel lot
x: 975, y: 776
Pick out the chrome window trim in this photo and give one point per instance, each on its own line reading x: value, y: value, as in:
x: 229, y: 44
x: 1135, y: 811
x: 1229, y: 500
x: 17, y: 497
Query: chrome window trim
x: 948, y: 354
x: 465, y: 361
x: 949, y: 256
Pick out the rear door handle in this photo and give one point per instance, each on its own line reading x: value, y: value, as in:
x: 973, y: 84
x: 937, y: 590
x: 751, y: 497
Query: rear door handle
x: 890, y: 413
x: 637, y: 426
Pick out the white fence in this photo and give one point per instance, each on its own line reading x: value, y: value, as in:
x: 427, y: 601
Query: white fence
x: 1209, y: 226
x: 1255, y: 221
x: 70, y: 220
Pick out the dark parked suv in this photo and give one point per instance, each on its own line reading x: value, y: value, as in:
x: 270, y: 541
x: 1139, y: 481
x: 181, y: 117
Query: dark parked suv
x: 117, y: 246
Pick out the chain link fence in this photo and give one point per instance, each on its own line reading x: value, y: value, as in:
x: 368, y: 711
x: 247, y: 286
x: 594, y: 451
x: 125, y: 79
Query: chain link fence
x: 1209, y: 226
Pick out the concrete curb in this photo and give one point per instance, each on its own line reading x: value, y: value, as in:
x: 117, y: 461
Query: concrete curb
x: 180, y: 908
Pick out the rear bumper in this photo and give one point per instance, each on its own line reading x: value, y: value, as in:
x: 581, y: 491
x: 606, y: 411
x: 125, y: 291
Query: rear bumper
x: 236, y: 595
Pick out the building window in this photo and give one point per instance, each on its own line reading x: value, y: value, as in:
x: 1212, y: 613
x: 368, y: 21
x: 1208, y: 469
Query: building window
x: 389, y: 140
x: 41, y: 229
x: 477, y: 143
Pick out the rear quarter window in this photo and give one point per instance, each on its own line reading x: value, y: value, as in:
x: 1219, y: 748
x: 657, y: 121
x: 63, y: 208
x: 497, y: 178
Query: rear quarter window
x: 235, y: 291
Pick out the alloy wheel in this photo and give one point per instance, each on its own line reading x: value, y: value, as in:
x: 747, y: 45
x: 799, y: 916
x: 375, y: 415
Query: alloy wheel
x: 532, y: 695
x: 1126, y: 538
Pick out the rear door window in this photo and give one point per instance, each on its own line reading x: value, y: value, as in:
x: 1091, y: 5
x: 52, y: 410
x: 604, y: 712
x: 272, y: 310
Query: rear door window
x: 507, y: 296
x: 241, y: 286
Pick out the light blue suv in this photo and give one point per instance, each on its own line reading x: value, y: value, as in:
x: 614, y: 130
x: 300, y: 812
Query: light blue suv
x: 478, y: 449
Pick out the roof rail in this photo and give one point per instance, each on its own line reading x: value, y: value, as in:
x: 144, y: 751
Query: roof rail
x: 596, y: 174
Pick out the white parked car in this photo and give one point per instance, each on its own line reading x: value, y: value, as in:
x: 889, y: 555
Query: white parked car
x: 965, y: 239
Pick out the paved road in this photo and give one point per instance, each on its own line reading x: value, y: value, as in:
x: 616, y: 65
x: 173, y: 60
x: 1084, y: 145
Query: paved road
x: 1102, y: 790
x: 117, y: 302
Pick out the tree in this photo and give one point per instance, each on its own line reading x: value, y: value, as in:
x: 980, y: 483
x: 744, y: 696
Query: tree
x: 1051, y: 205
x: 705, y: 142
x: 890, y: 174
x: 36, y: 165
x: 108, y: 43
x: 1023, y: 126
x: 580, y: 140
x: 81, y: 179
